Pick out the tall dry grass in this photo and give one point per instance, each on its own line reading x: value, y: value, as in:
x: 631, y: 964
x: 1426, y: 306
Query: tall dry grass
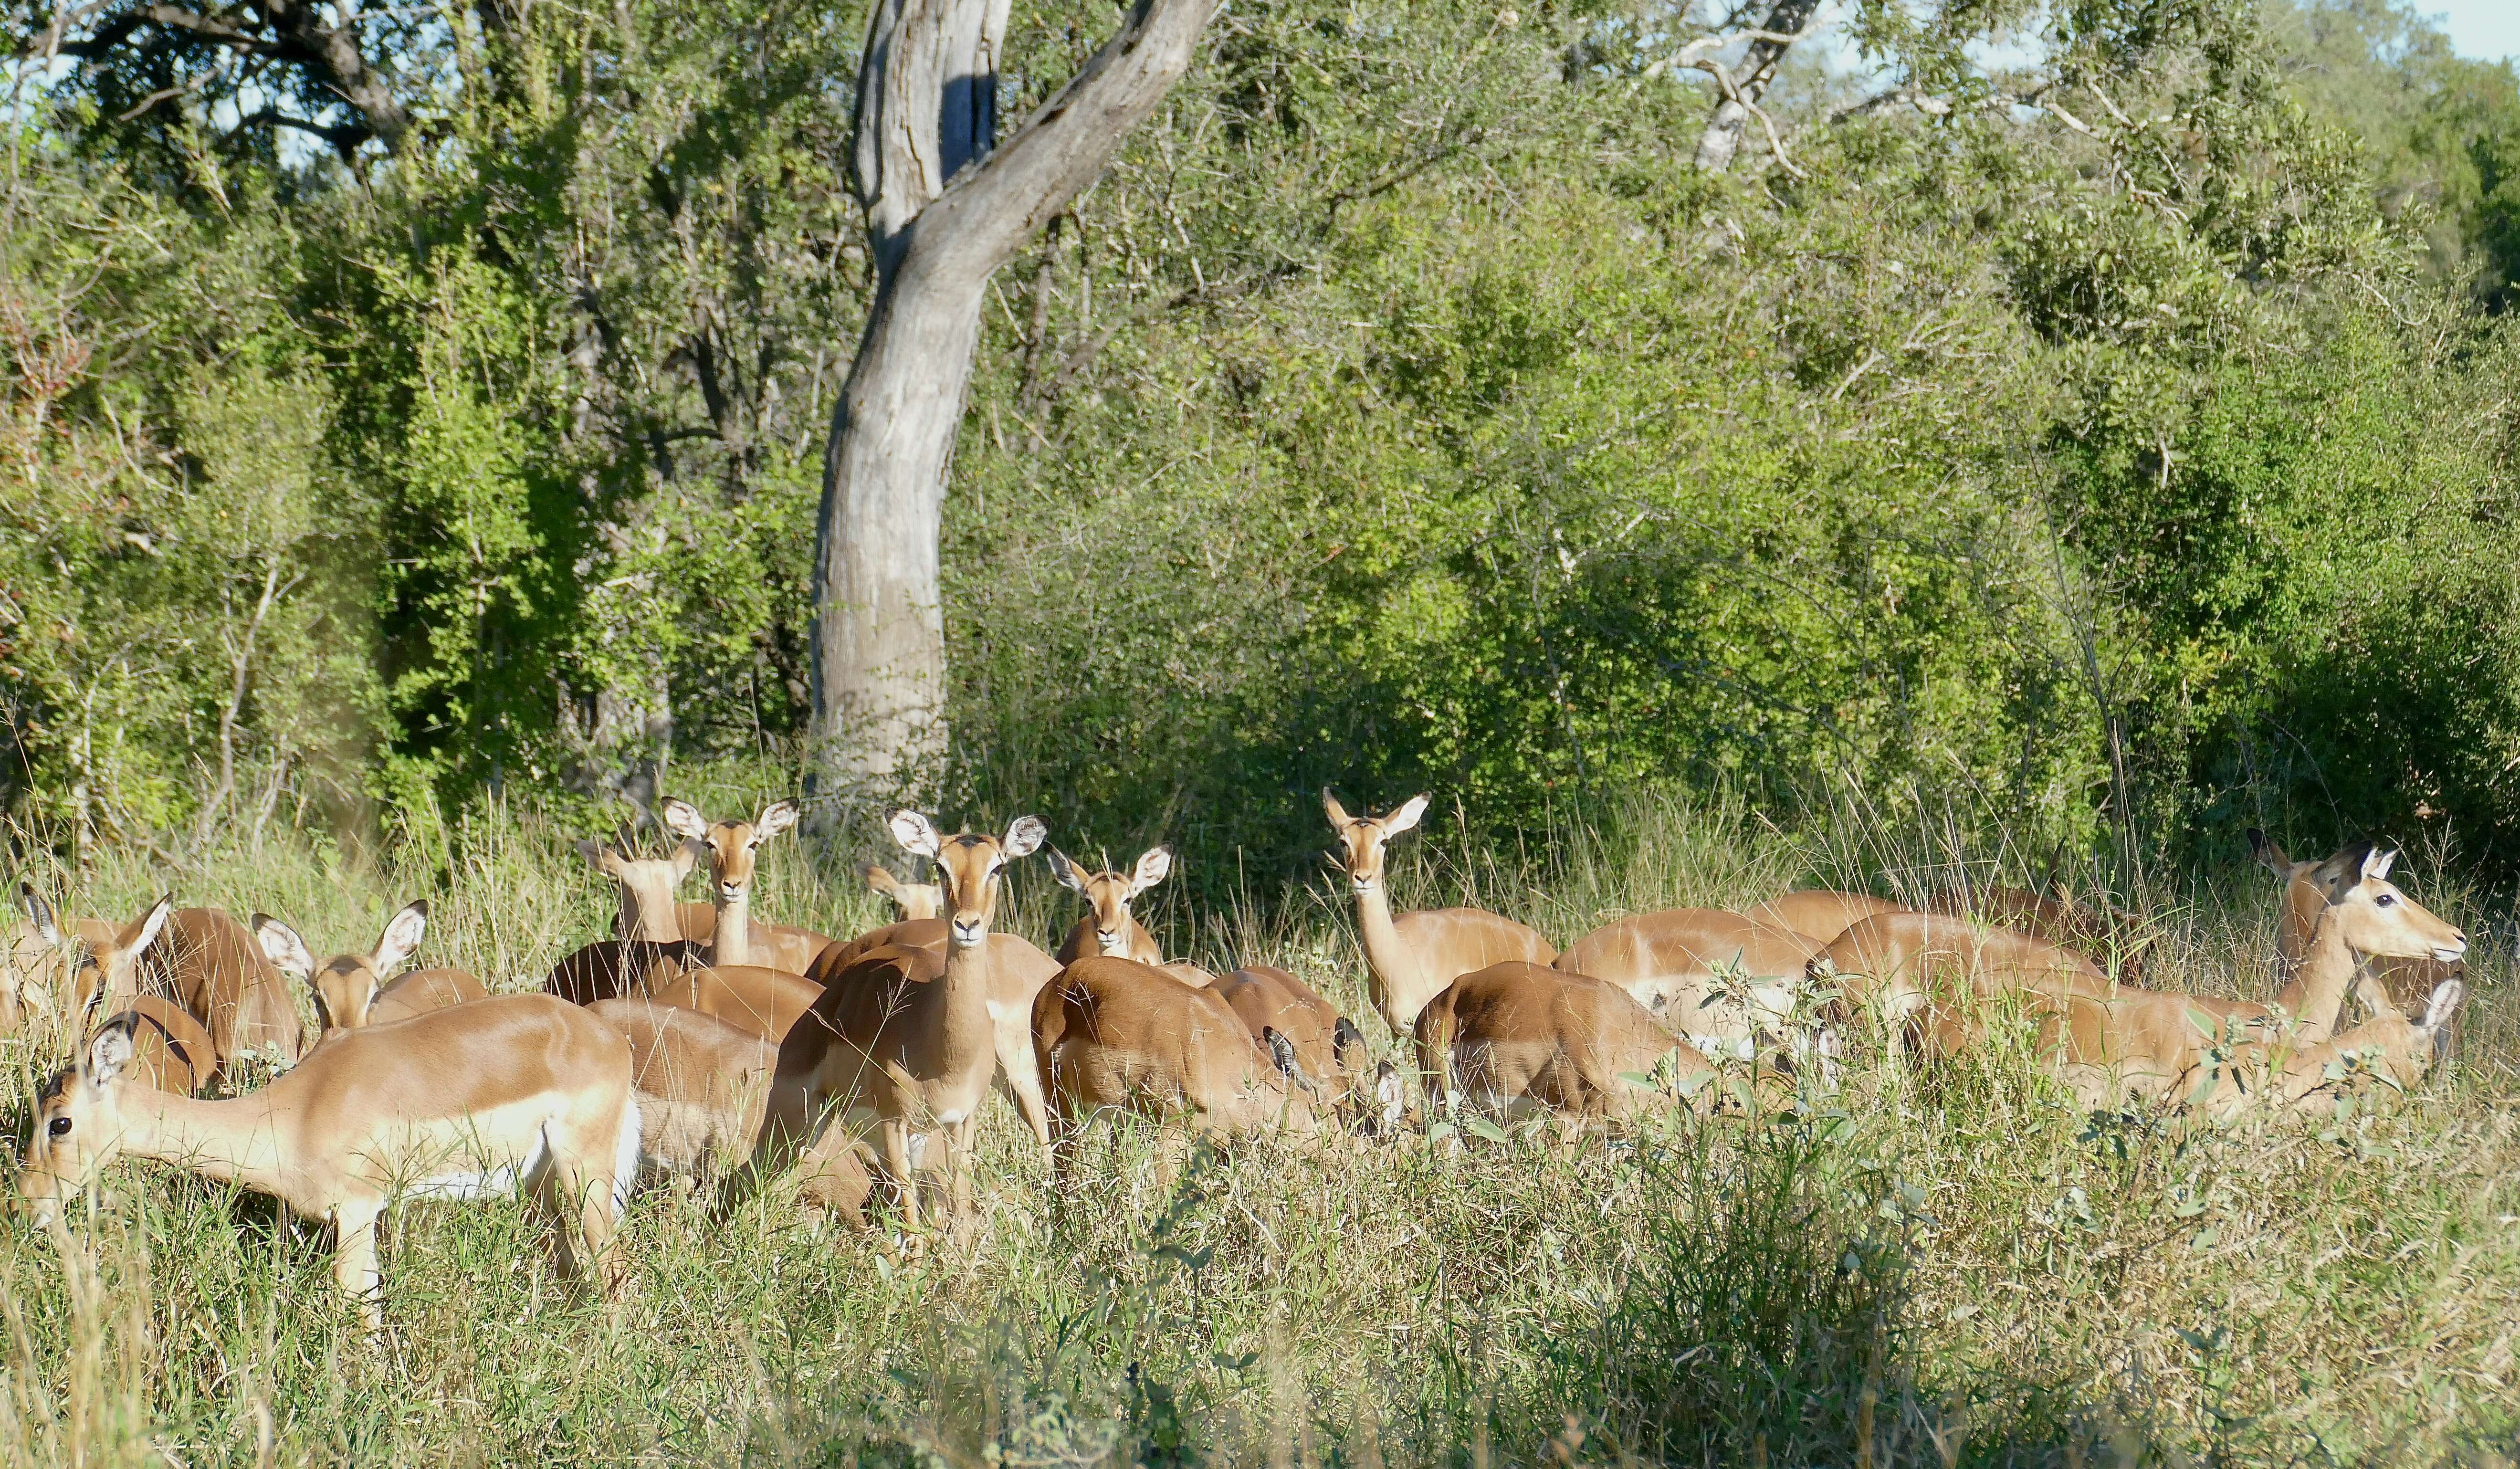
x: 1954, y: 1269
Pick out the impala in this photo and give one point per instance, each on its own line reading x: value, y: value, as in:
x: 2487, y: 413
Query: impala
x: 2407, y: 983
x: 2389, y: 1047
x: 902, y: 1038
x: 733, y: 936
x: 352, y: 989
x: 1412, y: 958
x: 110, y: 977
x: 1907, y: 970
x: 1328, y: 1045
x: 1108, y: 927
x: 525, y: 1091
x: 647, y: 935
x: 1017, y: 970
x: 170, y: 1051
x: 1820, y: 913
x: 1716, y: 978
x: 2108, y: 1042
x: 1113, y: 1034
x: 2101, y: 936
x: 1515, y: 1038
x: 763, y: 1002
x: 916, y: 900
x: 211, y: 964
x: 42, y: 964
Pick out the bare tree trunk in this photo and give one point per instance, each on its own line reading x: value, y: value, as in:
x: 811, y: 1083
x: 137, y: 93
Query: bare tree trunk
x: 944, y: 212
x: 1721, y: 140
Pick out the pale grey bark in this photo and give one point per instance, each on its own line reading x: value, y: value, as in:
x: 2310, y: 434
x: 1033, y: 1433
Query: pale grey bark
x: 945, y: 212
x: 1744, y: 83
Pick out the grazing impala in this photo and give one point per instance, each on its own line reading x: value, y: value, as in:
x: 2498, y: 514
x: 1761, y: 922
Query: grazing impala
x: 1113, y: 1034
x: 1328, y: 1046
x: 2408, y: 983
x: 903, y: 1037
x: 352, y: 989
x: 109, y: 978
x: 649, y: 933
x: 522, y: 1092
x: 42, y: 963
x: 211, y: 964
x: 1717, y: 979
x: 1107, y: 928
x: 731, y: 934
x: 1820, y: 914
x: 1412, y: 958
x: 1514, y: 1039
x: 916, y: 900
x: 2389, y: 1047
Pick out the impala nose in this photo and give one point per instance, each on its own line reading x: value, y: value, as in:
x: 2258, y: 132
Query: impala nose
x: 968, y: 931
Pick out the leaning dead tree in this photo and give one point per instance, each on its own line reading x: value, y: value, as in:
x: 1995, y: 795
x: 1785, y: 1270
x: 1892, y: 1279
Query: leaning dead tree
x: 946, y: 207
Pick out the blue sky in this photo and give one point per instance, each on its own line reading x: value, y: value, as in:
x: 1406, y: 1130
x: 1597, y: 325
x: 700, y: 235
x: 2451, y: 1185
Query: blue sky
x: 2487, y: 29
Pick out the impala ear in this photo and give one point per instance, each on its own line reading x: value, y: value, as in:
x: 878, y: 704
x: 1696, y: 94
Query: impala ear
x: 1332, y: 808
x: 110, y: 1050
x: 595, y: 855
x: 2443, y: 1003
x: 143, y: 930
x: 1406, y: 817
x: 2338, y: 874
x: 686, y: 857
x: 1065, y: 872
x: 1025, y: 836
x: 877, y: 881
x: 1346, y: 1041
x: 401, y: 936
x: 1390, y: 1099
x: 1151, y: 868
x: 2375, y: 867
x: 282, y: 945
x: 684, y: 819
x: 1282, y: 1053
x: 39, y: 912
x: 916, y: 833
x: 775, y: 818
x: 2269, y: 855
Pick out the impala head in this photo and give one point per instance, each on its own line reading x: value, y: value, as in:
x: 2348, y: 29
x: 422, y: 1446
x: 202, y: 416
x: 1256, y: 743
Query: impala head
x: 1360, y: 838
x: 647, y: 888
x: 1110, y: 892
x: 346, y: 983
x: 967, y: 867
x: 731, y: 845
x: 916, y: 900
x: 112, y: 965
x: 37, y: 957
x: 2370, y: 913
x: 78, y: 1126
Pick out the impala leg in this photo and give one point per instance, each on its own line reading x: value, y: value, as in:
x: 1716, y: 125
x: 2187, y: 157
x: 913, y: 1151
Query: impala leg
x: 354, y: 1260
x: 956, y: 1139
x: 1020, y: 1074
x: 894, y: 1139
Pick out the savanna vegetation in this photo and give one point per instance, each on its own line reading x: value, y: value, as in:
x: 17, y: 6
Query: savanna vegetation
x: 2063, y: 436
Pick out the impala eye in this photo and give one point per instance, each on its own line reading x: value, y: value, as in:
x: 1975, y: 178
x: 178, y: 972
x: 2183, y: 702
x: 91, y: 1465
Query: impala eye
x: 2384, y: 900
x: 61, y: 1126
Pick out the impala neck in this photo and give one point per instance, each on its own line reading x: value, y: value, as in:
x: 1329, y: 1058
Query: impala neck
x: 967, y: 1027
x: 2321, y: 978
x: 734, y: 941
x: 1398, y: 991
x: 236, y: 1140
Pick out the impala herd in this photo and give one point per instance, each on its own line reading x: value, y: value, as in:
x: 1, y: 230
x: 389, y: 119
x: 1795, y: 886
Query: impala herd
x: 703, y: 1044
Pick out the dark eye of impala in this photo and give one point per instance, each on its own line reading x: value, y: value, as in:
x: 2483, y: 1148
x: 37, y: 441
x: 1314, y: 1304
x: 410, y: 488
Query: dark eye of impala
x: 2384, y: 900
x: 61, y: 1126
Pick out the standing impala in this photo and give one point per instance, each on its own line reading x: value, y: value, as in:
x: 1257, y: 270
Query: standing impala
x: 903, y: 1038
x: 1108, y: 928
x: 734, y: 848
x: 648, y: 934
x: 352, y: 989
x: 522, y: 1092
x: 1412, y: 958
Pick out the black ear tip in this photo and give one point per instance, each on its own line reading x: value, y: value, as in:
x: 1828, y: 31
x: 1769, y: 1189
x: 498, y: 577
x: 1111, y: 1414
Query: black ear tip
x: 420, y: 906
